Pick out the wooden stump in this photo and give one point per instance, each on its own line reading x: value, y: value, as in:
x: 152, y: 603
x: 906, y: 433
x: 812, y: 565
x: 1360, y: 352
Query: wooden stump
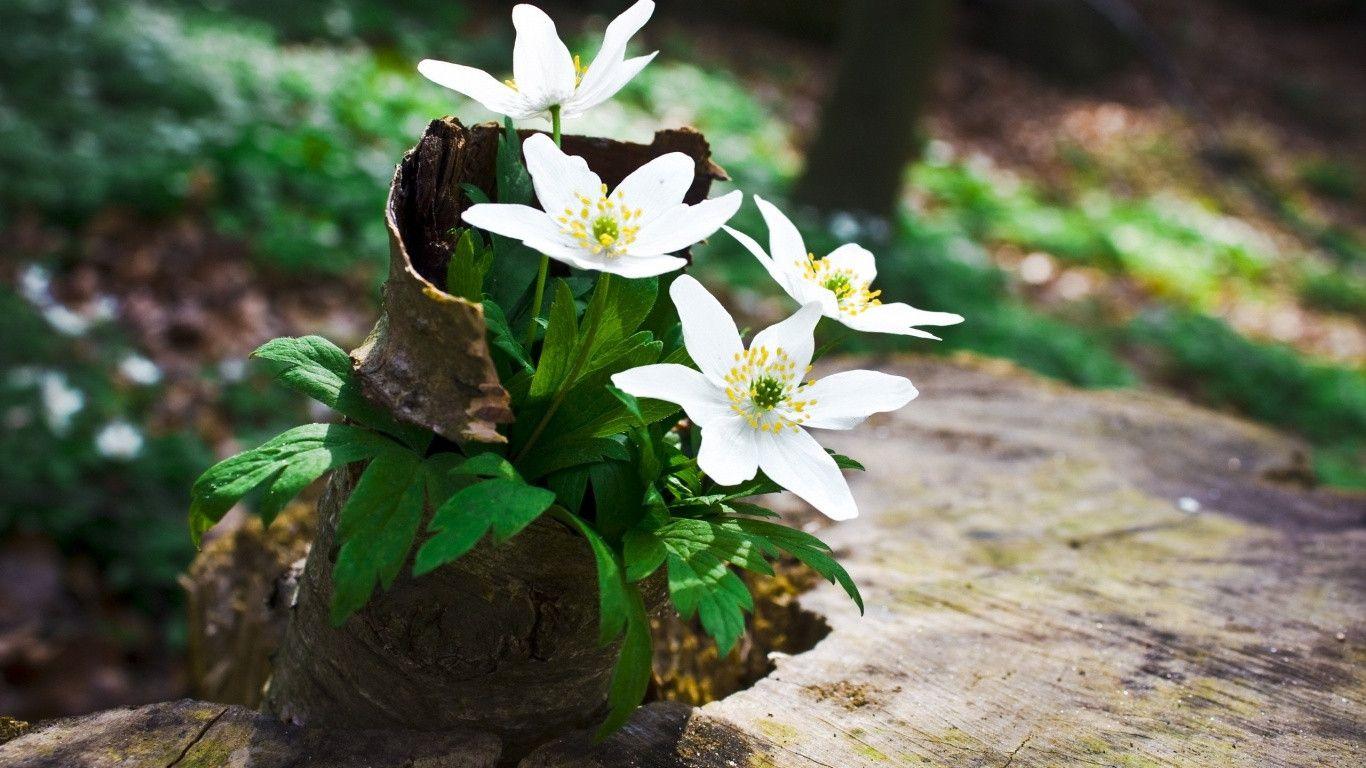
x: 1053, y: 577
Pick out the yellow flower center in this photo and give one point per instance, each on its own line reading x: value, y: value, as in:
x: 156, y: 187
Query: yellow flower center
x: 851, y: 293
x: 765, y: 388
x: 601, y: 226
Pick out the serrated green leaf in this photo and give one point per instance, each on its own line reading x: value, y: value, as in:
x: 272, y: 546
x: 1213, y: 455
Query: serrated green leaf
x: 844, y: 462
x: 617, y: 492
x: 311, y: 448
x: 558, y: 349
x: 631, y: 677
x: 469, y: 263
x: 502, y: 337
x: 514, y: 183
x: 320, y: 369
x: 813, y: 552
x: 705, y: 587
x: 617, y: 307
x: 613, y: 592
x: 570, y: 451
x: 474, y: 193
x: 643, y: 552
x: 376, y: 530
x: 570, y: 485
x: 498, y: 505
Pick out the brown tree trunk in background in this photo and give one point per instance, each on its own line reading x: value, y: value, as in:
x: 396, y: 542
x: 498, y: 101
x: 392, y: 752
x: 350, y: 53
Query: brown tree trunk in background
x: 869, y: 124
x: 504, y: 640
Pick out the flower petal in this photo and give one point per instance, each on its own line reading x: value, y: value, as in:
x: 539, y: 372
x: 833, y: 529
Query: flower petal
x: 558, y: 178
x: 709, y: 332
x: 601, y: 73
x: 795, y: 336
x: 900, y: 319
x: 541, y: 63
x: 856, y: 259
x: 614, y: 81
x: 683, y: 225
x: 794, y: 460
x: 780, y: 274
x: 637, y: 266
x: 844, y: 400
x: 729, y: 452
x: 784, y: 241
x: 476, y: 84
x: 703, y: 401
x: 531, y: 226
x: 657, y: 186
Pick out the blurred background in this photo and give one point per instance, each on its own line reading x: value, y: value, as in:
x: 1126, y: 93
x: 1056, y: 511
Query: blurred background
x: 1161, y: 194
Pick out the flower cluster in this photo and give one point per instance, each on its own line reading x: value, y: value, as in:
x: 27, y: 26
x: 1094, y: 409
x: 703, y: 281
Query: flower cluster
x: 752, y: 405
x: 596, y: 368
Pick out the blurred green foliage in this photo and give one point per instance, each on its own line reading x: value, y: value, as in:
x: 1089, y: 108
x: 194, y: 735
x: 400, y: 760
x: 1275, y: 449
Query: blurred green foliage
x: 282, y: 126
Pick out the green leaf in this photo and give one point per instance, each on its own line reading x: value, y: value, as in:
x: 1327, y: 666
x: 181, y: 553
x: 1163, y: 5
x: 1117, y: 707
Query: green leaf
x: 844, y: 462
x: 498, y: 505
x: 631, y: 677
x: 557, y: 352
x: 631, y: 402
x: 570, y: 485
x: 622, y: 305
x: 465, y: 271
x: 810, y: 550
x: 376, y: 530
x: 474, y: 193
x: 704, y: 586
x: 514, y: 183
x: 643, y: 552
x: 617, y: 492
x: 318, y: 368
x: 488, y: 464
x: 289, y: 461
x: 502, y: 336
x: 613, y: 593
x: 570, y: 451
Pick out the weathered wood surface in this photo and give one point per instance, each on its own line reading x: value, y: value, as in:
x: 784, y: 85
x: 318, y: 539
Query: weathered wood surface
x: 1037, y: 596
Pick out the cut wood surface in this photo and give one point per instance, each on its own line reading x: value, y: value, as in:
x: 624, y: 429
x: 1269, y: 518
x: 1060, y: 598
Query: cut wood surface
x: 1043, y: 590
x: 1053, y: 577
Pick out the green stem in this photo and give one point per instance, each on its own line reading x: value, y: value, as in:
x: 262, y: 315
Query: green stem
x: 539, y: 295
x: 590, y: 334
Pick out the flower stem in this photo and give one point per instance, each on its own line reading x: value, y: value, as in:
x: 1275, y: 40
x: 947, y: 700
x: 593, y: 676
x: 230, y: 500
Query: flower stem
x: 539, y: 294
x: 590, y: 334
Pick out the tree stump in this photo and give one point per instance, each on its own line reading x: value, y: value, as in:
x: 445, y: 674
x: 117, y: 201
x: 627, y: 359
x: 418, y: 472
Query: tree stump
x: 504, y: 641
x: 1053, y: 577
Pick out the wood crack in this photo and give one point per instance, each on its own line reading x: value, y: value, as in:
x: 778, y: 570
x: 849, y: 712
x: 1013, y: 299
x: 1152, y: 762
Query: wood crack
x: 197, y: 738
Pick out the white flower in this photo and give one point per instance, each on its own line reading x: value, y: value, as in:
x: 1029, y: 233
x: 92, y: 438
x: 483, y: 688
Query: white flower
x: 752, y: 404
x: 544, y: 74
x: 140, y: 370
x: 630, y: 231
x: 841, y: 282
x: 61, y: 401
x: 119, y: 440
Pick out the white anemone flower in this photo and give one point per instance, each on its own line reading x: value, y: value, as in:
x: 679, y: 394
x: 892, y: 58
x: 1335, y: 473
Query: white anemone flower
x: 841, y: 282
x: 629, y: 231
x: 754, y: 405
x: 545, y: 75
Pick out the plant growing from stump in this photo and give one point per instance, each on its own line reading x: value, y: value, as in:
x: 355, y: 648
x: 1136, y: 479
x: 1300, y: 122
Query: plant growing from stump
x: 643, y: 424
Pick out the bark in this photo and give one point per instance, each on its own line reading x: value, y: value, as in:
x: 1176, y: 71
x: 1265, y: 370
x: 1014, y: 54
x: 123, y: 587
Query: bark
x: 503, y: 641
x: 868, y: 128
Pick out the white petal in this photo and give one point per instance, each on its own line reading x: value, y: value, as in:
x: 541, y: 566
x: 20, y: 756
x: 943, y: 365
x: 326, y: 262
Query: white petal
x: 856, y: 259
x: 657, y: 186
x: 683, y: 225
x: 557, y: 177
x: 785, y: 279
x: 476, y: 84
x: 709, y: 332
x: 729, y: 452
x: 598, y: 81
x: 794, y: 460
x: 636, y: 266
x: 703, y: 401
x: 530, y: 225
x: 899, y: 319
x: 795, y: 336
x: 584, y: 100
x: 784, y: 241
x: 844, y: 400
x: 541, y: 64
